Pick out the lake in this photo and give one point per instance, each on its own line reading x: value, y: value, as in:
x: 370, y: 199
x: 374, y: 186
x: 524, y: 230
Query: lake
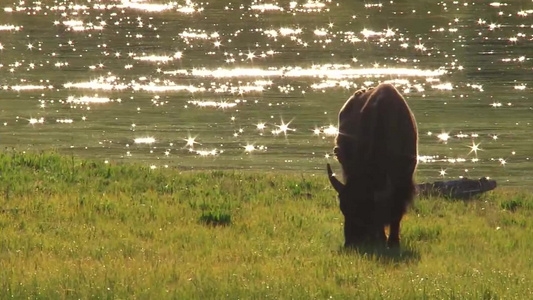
x: 258, y: 84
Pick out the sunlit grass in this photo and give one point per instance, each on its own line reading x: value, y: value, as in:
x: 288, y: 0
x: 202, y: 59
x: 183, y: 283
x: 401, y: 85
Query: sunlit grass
x: 74, y: 228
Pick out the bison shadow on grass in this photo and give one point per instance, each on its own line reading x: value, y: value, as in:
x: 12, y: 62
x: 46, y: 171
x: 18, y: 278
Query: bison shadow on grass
x: 385, y: 255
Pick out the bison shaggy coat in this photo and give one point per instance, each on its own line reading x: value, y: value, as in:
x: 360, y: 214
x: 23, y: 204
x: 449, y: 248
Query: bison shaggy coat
x: 377, y: 149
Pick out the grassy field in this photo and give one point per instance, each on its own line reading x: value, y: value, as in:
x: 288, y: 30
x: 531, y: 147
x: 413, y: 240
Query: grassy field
x: 72, y: 228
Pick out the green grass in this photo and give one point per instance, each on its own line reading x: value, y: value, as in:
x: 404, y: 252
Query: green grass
x: 72, y: 228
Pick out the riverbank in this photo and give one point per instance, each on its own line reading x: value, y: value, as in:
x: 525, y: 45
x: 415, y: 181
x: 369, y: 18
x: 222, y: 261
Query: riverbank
x: 73, y: 228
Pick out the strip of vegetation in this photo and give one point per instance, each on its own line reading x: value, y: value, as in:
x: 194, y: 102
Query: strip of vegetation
x: 73, y: 228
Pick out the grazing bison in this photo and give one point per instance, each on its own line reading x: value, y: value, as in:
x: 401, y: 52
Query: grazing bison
x: 377, y: 149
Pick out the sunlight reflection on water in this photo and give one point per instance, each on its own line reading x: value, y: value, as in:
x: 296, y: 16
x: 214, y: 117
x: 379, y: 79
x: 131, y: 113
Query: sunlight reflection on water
x: 175, y: 72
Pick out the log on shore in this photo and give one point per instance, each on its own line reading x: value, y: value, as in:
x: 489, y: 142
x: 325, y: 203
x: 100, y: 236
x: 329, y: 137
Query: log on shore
x: 463, y: 188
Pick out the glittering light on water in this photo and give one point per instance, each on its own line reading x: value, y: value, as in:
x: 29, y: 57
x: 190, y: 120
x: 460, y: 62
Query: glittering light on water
x: 373, y: 5
x: 186, y: 10
x: 329, y: 71
x: 158, y: 58
x: 524, y: 13
x: 201, y: 35
x: 76, y: 7
x: 34, y: 121
x: 320, y: 32
x: 427, y: 158
x: 443, y: 86
x: 28, y: 87
x: 65, y: 121
x: 443, y: 137
x: 250, y: 55
x: 493, y: 26
x: 283, y: 128
x: 148, y: 7
x: 102, y: 83
x: 144, y: 140
x: 189, y: 8
x: 266, y: 7
x: 519, y: 59
x: 478, y: 87
x: 262, y: 65
x: 474, y: 148
x: 331, y: 83
x: 177, y: 72
x: 314, y: 5
x: 77, y: 25
x: 237, y: 72
x: 88, y: 100
x: 497, y: 4
x: 343, y: 72
x: 331, y: 130
x: 289, y: 31
x: 263, y: 82
x: 222, y: 104
x: 370, y: 33
x: 249, y: 148
x: 9, y: 27
x: 213, y: 152
x: 169, y: 87
x: 190, y: 141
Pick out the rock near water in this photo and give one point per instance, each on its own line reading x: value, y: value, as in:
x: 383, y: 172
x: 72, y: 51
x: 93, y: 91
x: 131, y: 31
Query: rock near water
x: 463, y: 188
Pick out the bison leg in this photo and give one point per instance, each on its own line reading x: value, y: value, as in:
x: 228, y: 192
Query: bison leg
x: 402, y: 196
x: 394, y: 234
x: 354, y: 234
x: 381, y: 236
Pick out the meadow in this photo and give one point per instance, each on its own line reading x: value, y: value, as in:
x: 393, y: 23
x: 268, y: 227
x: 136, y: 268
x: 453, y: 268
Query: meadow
x: 74, y: 228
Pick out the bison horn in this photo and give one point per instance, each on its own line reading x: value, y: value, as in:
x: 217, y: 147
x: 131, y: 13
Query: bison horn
x: 337, y: 185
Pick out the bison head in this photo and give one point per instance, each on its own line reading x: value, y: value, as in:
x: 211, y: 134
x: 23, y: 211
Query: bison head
x: 361, y: 206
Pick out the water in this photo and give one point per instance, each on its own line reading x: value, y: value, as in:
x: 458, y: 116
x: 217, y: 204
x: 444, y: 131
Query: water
x: 258, y: 84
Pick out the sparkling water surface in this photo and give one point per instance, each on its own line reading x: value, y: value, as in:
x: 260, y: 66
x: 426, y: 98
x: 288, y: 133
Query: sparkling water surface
x: 258, y: 84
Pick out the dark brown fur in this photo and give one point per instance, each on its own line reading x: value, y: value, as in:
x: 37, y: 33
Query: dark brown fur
x: 377, y: 149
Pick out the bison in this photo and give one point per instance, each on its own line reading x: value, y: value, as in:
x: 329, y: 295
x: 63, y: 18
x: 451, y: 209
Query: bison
x: 377, y: 149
